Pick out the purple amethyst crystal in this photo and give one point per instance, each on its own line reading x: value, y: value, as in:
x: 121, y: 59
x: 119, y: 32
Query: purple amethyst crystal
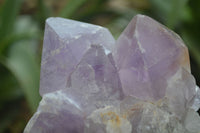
x: 65, y: 42
x: 91, y: 84
x: 147, y: 54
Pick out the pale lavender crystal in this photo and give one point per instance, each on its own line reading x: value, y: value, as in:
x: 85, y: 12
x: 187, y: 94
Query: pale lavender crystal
x: 94, y: 83
x: 99, y: 70
x: 65, y: 42
x: 146, y: 55
x: 142, y: 84
x: 56, y: 114
x: 180, y: 94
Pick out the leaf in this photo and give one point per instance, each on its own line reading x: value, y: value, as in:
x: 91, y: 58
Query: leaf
x: 9, y: 89
x: 71, y: 7
x: 24, y: 29
x: 170, y: 11
x: 23, y: 64
x: 22, y: 60
x: 14, y: 37
x: 42, y: 13
x: 8, y: 16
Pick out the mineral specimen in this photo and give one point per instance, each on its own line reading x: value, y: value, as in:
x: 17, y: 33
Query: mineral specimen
x: 91, y: 84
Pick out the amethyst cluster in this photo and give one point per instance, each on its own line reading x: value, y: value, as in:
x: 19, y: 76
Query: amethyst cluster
x: 91, y: 83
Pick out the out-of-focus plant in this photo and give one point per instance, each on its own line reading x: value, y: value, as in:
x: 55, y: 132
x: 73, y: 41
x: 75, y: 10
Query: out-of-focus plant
x: 19, y: 64
x: 21, y: 36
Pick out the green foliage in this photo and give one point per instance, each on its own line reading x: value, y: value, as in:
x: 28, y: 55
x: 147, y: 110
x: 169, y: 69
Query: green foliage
x: 8, y: 16
x: 42, y: 13
x: 9, y: 88
x: 19, y: 66
x: 21, y: 37
x: 22, y: 64
x: 171, y: 12
x: 71, y: 7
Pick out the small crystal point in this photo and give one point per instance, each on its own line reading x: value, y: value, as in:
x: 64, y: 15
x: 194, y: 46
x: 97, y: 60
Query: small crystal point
x: 146, y: 55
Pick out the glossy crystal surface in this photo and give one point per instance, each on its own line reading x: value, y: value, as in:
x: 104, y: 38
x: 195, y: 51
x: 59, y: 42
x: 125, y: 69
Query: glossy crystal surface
x: 65, y: 42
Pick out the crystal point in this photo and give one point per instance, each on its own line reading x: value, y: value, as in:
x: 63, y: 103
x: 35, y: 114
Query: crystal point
x: 65, y: 42
x: 146, y: 55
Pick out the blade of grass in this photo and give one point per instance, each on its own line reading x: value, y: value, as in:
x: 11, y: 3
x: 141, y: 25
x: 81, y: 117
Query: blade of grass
x: 6, y: 41
x: 42, y: 13
x: 9, y: 89
x: 71, y: 7
x: 8, y: 15
x: 171, y: 12
x: 24, y: 66
x: 91, y: 10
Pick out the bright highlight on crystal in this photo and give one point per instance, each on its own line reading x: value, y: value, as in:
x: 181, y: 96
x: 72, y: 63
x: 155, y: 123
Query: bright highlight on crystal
x: 91, y: 83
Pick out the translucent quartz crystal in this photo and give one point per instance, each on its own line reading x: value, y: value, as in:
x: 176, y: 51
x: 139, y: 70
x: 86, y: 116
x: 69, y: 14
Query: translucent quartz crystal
x: 56, y: 114
x: 147, y: 54
x: 65, y: 42
x: 91, y: 84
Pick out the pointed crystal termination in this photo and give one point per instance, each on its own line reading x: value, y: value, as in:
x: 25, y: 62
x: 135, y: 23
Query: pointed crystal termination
x: 65, y: 42
x: 95, y: 82
x: 146, y: 55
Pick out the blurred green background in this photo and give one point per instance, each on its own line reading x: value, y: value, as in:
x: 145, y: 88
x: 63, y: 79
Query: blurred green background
x: 21, y: 35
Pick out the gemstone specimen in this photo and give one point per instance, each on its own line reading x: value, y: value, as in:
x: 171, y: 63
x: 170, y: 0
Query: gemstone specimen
x: 91, y: 84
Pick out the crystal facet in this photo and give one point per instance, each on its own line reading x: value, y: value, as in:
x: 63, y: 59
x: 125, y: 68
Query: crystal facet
x: 147, y: 54
x: 91, y: 84
x: 65, y: 42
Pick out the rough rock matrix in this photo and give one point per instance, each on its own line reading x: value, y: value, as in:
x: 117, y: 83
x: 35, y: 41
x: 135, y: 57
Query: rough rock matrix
x: 90, y: 83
